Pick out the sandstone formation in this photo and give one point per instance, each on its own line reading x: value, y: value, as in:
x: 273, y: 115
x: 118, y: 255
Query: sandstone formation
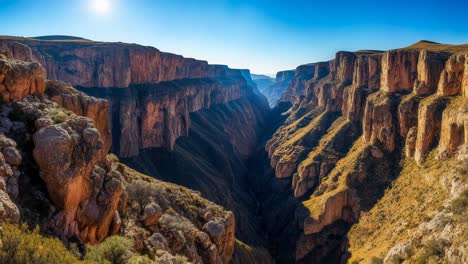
x: 81, y: 104
x: 57, y: 159
x: 162, y: 89
x: 19, y: 78
x: 297, y: 86
x: 155, y: 115
x: 407, y: 101
x: 10, y: 159
x: 102, y: 64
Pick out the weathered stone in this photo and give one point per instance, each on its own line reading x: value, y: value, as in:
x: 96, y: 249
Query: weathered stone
x: 43, y: 122
x: 399, y: 70
x: 398, y: 253
x: 8, y: 210
x: 430, y: 66
x: 452, y: 77
x: 12, y: 156
x: 151, y: 214
x: 378, y: 123
x: 429, y: 125
x: 21, y: 79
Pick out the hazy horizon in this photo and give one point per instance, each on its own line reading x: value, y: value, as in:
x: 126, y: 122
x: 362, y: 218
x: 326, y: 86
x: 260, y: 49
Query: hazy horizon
x: 263, y: 36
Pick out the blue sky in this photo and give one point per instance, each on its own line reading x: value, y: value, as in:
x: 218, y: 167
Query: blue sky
x: 264, y: 36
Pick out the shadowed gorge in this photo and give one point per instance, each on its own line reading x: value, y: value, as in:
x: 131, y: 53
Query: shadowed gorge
x: 359, y: 159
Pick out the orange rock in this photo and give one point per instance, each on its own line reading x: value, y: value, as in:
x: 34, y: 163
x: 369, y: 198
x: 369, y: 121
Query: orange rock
x: 399, y: 70
x: 120, y: 64
x: 19, y: 79
x: 429, y: 125
x: 407, y: 114
x: 378, y: 122
x: 430, y: 66
x: 452, y: 77
x: 454, y: 128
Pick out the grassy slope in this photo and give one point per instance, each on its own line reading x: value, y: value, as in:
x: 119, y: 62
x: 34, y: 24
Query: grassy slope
x: 415, y: 197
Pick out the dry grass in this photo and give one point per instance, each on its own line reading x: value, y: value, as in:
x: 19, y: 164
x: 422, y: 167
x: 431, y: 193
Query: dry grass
x: 336, y: 181
x: 417, y: 195
x: 434, y: 46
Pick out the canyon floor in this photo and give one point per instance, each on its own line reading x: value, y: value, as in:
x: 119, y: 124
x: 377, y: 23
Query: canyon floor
x: 121, y: 153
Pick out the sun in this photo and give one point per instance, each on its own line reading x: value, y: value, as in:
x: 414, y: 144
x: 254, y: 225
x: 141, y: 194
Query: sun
x: 101, y: 6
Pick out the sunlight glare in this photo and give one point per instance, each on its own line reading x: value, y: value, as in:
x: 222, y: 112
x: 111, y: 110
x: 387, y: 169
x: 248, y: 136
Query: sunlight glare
x: 101, y: 6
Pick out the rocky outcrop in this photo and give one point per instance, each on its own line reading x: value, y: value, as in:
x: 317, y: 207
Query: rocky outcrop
x: 342, y: 67
x: 71, y: 160
x: 453, y: 79
x: 19, y: 79
x: 454, y: 128
x: 81, y: 104
x: 297, y: 87
x: 10, y: 160
x: 399, y: 70
x: 430, y: 66
x: 103, y: 64
x: 165, y: 218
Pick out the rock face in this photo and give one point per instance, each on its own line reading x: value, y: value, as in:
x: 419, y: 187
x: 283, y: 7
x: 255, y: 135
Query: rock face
x: 87, y: 193
x: 399, y: 70
x: 10, y: 159
x: 81, y: 104
x: 407, y: 101
x: 297, y: 87
x: 19, y: 78
x: 155, y: 115
x: 102, y: 64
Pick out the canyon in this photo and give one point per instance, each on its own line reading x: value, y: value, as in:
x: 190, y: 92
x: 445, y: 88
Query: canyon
x: 347, y: 145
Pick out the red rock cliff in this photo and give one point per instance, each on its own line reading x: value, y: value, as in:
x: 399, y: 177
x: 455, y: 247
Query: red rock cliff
x: 102, y: 64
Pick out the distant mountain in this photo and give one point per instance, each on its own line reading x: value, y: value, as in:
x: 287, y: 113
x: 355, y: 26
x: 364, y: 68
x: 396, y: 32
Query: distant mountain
x: 59, y: 37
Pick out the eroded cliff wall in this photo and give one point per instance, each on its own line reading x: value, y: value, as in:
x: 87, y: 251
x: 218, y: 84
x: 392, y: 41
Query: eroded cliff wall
x: 55, y: 173
x: 353, y: 119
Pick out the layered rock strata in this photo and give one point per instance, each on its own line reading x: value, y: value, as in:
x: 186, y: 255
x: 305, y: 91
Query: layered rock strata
x: 347, y: 129
x: 103, y: 64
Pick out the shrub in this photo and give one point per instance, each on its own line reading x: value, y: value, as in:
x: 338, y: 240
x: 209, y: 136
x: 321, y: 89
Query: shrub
x: 20, y: 245
x: 113, y: 157
x: 58, y: 115
x: 139, y: 191
x: 114, y: 250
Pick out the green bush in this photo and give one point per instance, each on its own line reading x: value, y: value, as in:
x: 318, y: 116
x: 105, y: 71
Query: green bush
x: 113, y: 250
x: 23, y: 246
x: 58, y: 115
x: 140, y: 192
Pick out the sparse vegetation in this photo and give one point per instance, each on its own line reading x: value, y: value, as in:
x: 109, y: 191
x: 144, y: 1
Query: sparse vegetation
x: 23, y: 246
x: 114, y: 250
x: 413, y: 213
x: 58, y: 115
